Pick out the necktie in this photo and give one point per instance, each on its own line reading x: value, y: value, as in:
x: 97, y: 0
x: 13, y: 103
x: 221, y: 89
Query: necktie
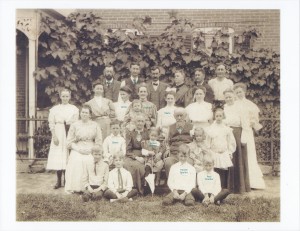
x: 155, y: 84
x: 120, y: 180
x: 108, y: 84
x: 95, y: 168
x: 134, y: 81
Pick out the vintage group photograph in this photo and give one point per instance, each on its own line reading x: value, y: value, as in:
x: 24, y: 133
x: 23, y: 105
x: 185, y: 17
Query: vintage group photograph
x: 148, y: 115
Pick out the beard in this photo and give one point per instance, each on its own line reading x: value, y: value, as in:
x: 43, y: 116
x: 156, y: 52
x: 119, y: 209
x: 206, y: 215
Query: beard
x: 108, y: 77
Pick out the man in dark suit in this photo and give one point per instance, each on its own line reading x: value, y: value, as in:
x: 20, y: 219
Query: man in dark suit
x: 156, y: 89
x: 199, y: 80
x: 134, y: 80
x: 111, y: 86
x: 182, y: 98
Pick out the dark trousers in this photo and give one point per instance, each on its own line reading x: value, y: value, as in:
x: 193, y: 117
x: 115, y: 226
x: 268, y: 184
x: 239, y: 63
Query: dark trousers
x: 92, y: 196
x: 188, y: 200
x: 223, y: 177
x: 199, y: 196
x: 111, y: 195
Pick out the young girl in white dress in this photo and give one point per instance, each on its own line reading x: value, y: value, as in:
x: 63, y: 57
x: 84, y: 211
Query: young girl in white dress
x: 250, y: 111
x: 60, y: 118
x: 200, y: 112
x: 222, y: 144
x: 165, y: 116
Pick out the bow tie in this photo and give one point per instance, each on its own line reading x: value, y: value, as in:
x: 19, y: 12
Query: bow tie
x: 155, y: 84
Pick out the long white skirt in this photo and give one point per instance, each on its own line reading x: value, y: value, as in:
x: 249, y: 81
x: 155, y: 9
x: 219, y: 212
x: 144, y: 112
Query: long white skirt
x: 58, y: 154
x: 255, y: 173
x: 74, y: 171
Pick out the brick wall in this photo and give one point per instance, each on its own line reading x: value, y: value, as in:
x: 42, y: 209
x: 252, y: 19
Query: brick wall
x: 266, y: 21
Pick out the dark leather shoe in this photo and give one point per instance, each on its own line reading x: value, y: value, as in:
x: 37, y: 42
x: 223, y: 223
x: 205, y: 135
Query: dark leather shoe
x: 57, y: 186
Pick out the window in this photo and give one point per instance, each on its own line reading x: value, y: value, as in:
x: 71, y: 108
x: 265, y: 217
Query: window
x: 213, y: 35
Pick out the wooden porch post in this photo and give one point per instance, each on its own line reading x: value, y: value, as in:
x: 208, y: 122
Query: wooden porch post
x: 31, y: 96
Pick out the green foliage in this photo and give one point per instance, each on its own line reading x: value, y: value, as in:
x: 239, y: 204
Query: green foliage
x: 42, y: 140
x: 72, y: 54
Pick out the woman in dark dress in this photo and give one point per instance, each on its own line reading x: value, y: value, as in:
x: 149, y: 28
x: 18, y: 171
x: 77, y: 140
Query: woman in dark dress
x: 134, y: 161
x: 238, y: 175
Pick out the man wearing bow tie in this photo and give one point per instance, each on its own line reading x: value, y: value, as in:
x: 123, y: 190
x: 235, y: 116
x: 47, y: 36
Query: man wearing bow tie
x: 111, y: 86
x: 156, y: 89
x: 134, y: 80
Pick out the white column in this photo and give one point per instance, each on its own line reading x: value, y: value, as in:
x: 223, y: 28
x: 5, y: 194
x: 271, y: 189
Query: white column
x: 31, y: 92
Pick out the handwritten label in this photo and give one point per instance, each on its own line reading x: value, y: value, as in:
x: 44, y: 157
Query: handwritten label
x: 184, y: 171
x: 167, y: 113
x: 123, y: 106
x: 209, y: 178
x: 115, y: 142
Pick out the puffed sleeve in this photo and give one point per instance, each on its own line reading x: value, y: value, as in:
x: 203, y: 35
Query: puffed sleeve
x: 75, y: 116
x: 159, y: 119
x: 98, y: 138
x: 71, y: 138
x: 112, y: 111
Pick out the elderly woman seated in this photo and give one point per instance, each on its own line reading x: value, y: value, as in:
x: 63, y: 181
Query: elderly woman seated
x: 179, y: 133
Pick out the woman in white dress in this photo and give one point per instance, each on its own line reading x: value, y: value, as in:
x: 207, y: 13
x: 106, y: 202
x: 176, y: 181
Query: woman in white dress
x: 250, y: 113
x: 200, y: 112
x: 60, y: 118
x: 165, y: 116
x: 82, y: 136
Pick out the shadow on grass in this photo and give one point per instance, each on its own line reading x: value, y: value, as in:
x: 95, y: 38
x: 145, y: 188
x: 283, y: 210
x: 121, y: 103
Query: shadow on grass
x: 41, y: 207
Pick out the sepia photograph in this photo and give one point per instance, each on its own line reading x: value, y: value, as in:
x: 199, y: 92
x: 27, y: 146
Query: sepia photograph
x: 148, y: 115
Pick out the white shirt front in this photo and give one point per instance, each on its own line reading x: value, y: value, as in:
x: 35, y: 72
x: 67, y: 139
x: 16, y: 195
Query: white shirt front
x: 209, y: 182
x: 98, y: 100
x: 121, y: 108
x: 112, y: 145
x: 113, y: 180
x: 165, y: 117
x: 154, y: 85
x: 182, y: 177
x: 219, y: 87
x: 200, y: 112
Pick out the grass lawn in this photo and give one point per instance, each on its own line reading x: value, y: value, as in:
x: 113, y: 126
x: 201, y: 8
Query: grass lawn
x: 41, y: 207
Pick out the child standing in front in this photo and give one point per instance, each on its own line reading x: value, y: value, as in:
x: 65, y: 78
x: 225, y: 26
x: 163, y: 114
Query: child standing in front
x: 209, y: 184
x: 182, y: 179
x: 95, y: 176
x: 221, y: 142
x: 114, y: 143
x: 153, y: 150
x: 199, y: 148
x: 134, y: 110
x: 119, y: 182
